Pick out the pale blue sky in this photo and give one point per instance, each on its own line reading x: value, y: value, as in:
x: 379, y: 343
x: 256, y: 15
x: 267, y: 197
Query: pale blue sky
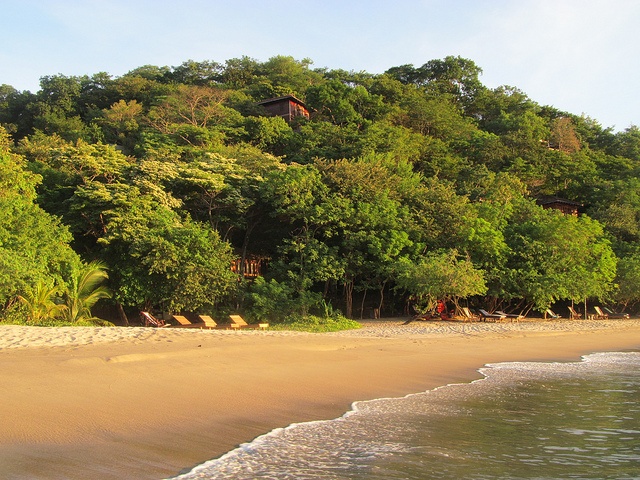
x: 577, y: 55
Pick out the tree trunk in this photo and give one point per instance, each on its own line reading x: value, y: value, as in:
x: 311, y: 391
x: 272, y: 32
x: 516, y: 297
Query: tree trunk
x: 123, y: 316
x: 348, y: 296
x: 364, y: 296
x: 384, y: 284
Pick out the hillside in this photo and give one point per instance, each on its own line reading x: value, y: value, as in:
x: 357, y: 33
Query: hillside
x: 406, y: 187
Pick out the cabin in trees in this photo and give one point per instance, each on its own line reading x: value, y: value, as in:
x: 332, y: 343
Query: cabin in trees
x: 287, y: 107
x: 567, y: 207
x: 249, y: 268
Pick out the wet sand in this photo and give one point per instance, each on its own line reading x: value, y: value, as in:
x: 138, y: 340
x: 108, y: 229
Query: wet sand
x: 114, y: 403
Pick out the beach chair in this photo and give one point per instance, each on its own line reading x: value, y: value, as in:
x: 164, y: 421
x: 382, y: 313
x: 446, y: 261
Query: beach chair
x: 238, y: 322
x: 210, y: 323
x: 484, y: 315
x: 468, y: 316
x: 600, y: 314
x: 420, y: 316
x: 551, y: 314
x: 512, y: 316
x: 613, y: 314
x: 183, y: 322
x: 573, y: 315
x: 151, y: 321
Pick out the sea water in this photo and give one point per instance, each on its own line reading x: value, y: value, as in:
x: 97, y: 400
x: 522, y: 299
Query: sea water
x: 521, y: 421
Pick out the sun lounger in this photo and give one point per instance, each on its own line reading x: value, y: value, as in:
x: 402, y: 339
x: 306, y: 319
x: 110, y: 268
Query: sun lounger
x: 513, y: 316
x: 150, y: 320
x: 600, y: 314
x: 238, y: 322
x: 183, y: 322
x: 551, y: 314
x: 210, y: 323
x: 421, y: 316
x: 468, y: 316
x: 613, y: 314
x: 484, y: 315
x: 573, y: 315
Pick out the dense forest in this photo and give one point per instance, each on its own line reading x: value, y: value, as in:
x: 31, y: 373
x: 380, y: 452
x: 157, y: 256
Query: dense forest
x: 416, y: 184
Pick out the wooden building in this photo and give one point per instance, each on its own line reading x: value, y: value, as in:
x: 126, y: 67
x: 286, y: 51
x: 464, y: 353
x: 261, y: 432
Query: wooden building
x: 287, y: 107
x: 251, y: 268
x: 568, y: 207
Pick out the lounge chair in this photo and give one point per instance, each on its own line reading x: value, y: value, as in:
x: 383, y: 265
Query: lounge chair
x: 600, y: 314
x: 183, y: 322
x: 512, y: 316
x: 210, y: 323
x: 613, y: 314
x: 468, y: 316
x: 421, y: 316
x: 150, y: 320
x: 551, y: 314
x: 484, y: 315
x: 573, y: 315
x: 238, y: 322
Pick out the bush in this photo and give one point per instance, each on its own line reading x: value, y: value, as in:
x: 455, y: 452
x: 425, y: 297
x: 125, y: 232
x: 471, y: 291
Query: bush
x: 277, y: 303
x: 269, y: 301
x: 315, y: 324
x: 15, y: 320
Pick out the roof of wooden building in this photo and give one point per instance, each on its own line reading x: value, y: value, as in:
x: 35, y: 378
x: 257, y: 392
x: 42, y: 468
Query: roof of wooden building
x: 546, y: 200
x: 280, y: 99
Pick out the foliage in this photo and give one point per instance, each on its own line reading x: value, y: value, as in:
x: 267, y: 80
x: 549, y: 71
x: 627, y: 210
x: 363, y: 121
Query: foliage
x: 555, y: 257
x: 315, y: 324
x: 440, y: 276
x: 628, y: 280
x: 270, y: 301
x: 183, y: 267
x: 83, y: 293
x: 40, y: 305
x: 417, y: 181
x: 34, y: 247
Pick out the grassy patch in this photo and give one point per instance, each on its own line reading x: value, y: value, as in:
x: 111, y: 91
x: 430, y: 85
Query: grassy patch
x: 315, y: 324
x: 56, y: 323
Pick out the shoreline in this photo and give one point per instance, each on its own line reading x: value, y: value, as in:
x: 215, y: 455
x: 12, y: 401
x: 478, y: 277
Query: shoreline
x: 133, y: 402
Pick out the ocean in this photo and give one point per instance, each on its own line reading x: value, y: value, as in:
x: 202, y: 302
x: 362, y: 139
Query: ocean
x: 578, y: 420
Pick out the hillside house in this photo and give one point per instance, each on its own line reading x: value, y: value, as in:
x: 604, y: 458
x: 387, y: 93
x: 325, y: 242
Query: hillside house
x: 251, y: 268
x: 287, y: 107
x: 567, y: 207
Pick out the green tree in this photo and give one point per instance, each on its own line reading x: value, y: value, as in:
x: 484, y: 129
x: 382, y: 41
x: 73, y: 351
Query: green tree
x: 270, y: 134
x: 627, y: 280
x: 286, y: 76
x: 192, y: 115
x: 557, y: 257
x: 440, y: 275
x: 41, y: 303
x: 34, y: 246
x: 300, y: 200
x: 183, y: 268
x: 197, y: 73
x: 121, y: 123
x: 455, y: 76
x: 84, y: 291
x: 372, y: 232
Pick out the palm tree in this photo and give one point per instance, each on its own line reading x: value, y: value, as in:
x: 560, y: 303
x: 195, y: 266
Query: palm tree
x: 40, y: 303
x: 84, y: 291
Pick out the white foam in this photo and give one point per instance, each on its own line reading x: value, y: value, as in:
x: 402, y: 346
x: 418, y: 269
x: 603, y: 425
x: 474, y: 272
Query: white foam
x: 323, y: 449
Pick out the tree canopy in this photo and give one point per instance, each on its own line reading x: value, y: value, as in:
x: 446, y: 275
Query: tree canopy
x: 419, y: 181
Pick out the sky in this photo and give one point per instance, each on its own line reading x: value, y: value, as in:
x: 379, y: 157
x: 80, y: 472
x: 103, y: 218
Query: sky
x: 579, y: 56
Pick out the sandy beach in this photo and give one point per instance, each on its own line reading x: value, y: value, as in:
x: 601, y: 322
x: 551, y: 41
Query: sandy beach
x: 144, y: 403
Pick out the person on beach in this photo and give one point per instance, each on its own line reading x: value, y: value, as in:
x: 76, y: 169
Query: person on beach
x: 442, y: 310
